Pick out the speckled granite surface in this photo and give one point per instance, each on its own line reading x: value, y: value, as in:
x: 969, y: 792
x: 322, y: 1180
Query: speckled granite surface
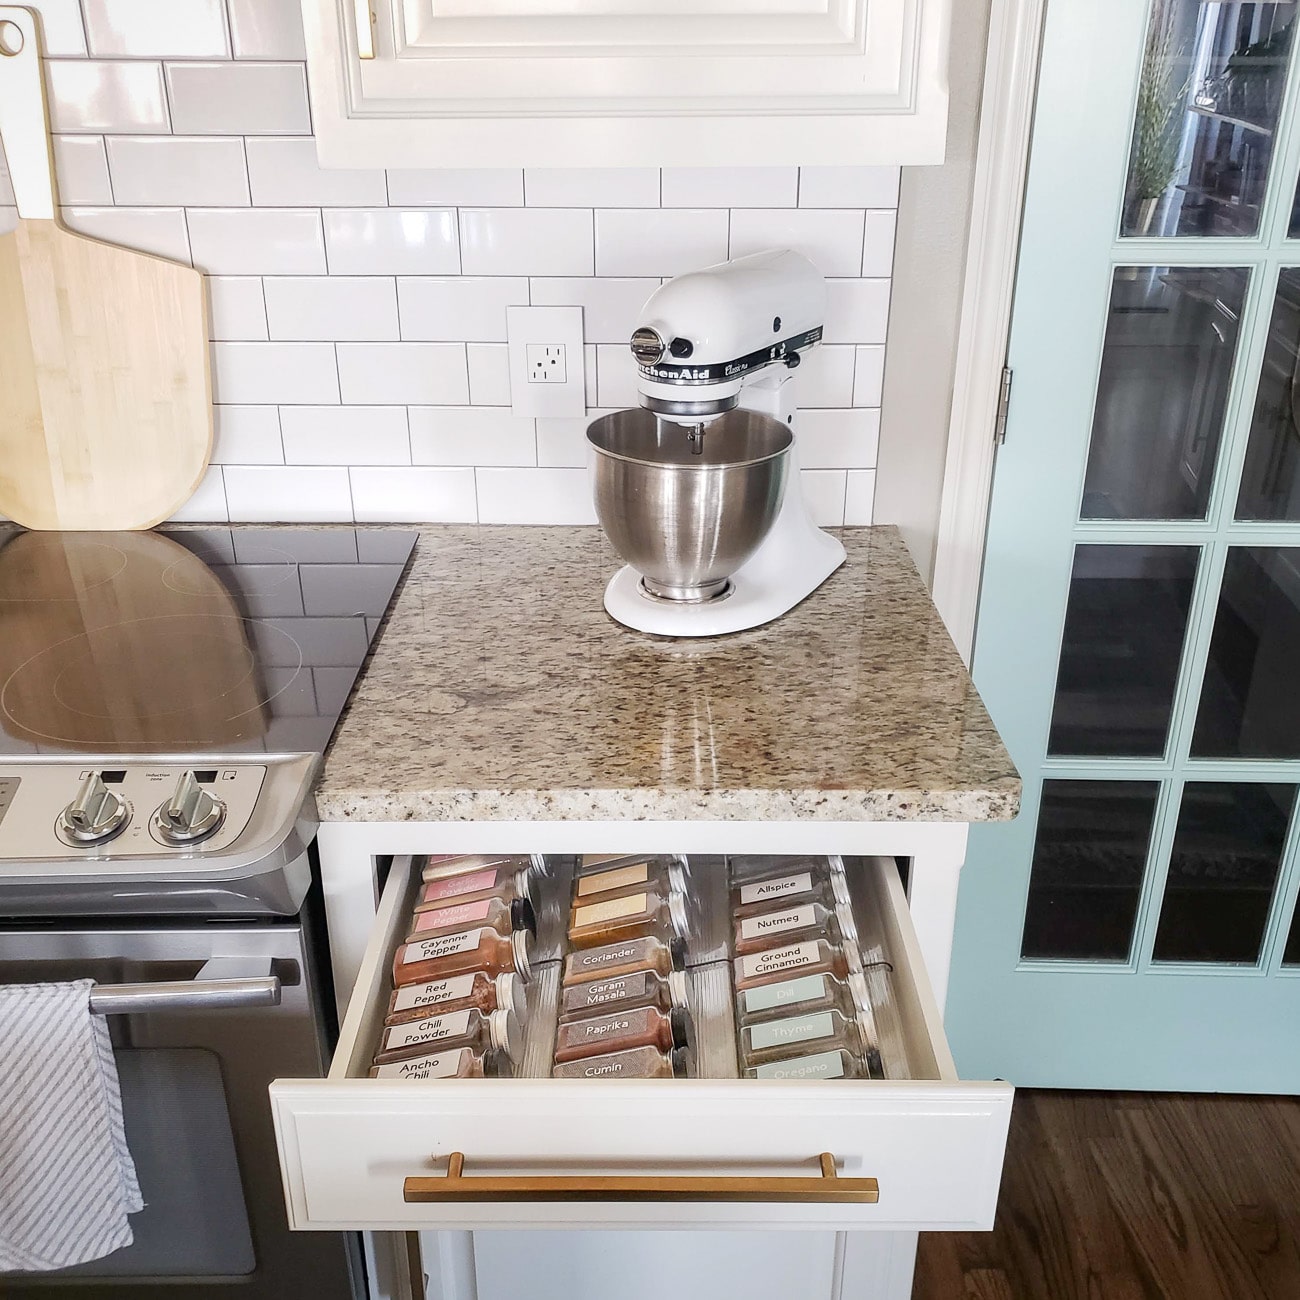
x: 501, y: 690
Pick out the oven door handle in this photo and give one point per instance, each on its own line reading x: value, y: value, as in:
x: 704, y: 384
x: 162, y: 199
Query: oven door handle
x: 224, y: 993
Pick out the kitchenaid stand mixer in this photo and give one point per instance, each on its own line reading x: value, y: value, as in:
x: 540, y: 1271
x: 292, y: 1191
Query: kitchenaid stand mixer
x: 725, y: 338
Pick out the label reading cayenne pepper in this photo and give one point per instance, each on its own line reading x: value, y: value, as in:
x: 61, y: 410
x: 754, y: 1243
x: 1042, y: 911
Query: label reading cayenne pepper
x: 442, y: 946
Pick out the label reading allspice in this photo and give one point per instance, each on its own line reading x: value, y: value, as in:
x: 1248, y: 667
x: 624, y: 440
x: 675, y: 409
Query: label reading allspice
x: 782, y: 887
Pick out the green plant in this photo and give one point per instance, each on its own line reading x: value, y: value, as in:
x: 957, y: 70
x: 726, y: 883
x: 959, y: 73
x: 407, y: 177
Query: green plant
x: 1154, y: 161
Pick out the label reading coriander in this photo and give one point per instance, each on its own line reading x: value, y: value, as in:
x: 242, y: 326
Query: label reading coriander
x: 442, y: 1066
x: 443, y: 946
x: 792, y: 918
x: 786, y: 993
x: 428, y: 995
x: 821, y: 1065
x: 798, y: 1029
x: 784, y: 887
x: 616, y: 878
x: 432, y: 1030
x: 771, y: 960
x: 615, y: 909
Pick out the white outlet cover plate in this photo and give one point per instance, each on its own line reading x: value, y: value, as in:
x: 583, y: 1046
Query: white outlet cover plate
x: 546, y: 326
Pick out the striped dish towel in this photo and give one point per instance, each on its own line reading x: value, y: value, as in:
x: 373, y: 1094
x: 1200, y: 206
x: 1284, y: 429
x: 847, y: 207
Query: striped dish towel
x: 67, y: 1180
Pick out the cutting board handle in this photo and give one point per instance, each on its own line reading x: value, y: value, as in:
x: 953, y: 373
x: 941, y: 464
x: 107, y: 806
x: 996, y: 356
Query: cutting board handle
x: 23, y: 126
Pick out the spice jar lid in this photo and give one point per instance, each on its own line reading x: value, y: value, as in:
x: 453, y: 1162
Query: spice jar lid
x: 681, y: 1062
x: 522, y: 916
x: 848, y: 926
x: 677, y: 953
x: 677, y: 913
x: 537, y: 860
x: 510, y: 993
x: 840, y: 889
x: 836, y: 863
x: 521, y: 882
x: 506, y: 1033
x: 679, y: 1023
x: 852, y: 957
x: 677, y: 987
x: 682, y: 861
x: 520, y: 941
x: 676, y: 876
x: 496, y: 1065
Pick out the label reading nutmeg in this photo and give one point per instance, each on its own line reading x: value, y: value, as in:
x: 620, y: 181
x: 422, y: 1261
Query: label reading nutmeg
x: 783, y: 887
x: 600, y: 882
x: 771, y: 960
x: 791, y: 918
x: 433, y: 993
x: 613, y: 909
x: 431, y: 1030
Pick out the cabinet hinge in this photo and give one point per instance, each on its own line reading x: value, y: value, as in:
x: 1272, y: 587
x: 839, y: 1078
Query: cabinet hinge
x: 1004, y: 402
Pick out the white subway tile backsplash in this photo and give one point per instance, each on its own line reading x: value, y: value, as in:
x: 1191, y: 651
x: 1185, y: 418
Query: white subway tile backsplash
x: 826, y: 377
x: 615, y: 376
x: 562, y: 443
x: 335, y: 307
x: 857, y: 311
x: 62, y: 28
x: 98, y: 97
x: 471, y: 435
x: 878, y: 247
x: 860, y: 499
x: 489, y: 373
x: 299, y: 374
x: 589, y: 373
x: 246, y: 435
x: 534, y: 496
x: 830, y: 239
x: 139, y: 29
x: 197, y: 171
x: 283, y: 172
x: 398, y: 374
x: 469, y: 309
x: 730, y: 187
x: 838, y: 439
x: 391, y: 241
x: 526, y: 241
x: 266, y: 29
x: 257, y: 241
x: 288, y: 494
x: 238, y: 98
x: 823, y: 490
x: 609, y: 306
x: 482, y: 187
x: 82, y: 169
x: 151, y: 230
x: 418, y: 495
x: 236, y: 308
x: 868, y: 376
x: 659, y: 241
x: 848, y: 187
x: 207, y: 505
x: 345, y: 435
x: 591, y: 187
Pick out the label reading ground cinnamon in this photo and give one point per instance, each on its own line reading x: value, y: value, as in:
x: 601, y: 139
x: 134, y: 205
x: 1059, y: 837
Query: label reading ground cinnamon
x: 792, y: 918
x: 637, y: 873
x: 427, y: 995
x: 784, y: 887
x: 771, y: 960
x: 614, y: 909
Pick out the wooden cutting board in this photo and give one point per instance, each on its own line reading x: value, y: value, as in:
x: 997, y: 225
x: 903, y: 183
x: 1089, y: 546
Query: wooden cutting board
x: 105, y: 395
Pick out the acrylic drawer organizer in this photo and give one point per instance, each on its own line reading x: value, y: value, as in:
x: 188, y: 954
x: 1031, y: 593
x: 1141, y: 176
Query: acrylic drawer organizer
x: 385, y: 1154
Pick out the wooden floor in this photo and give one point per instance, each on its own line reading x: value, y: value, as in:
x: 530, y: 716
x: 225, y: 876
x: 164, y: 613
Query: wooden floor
x: 1135, y: 1196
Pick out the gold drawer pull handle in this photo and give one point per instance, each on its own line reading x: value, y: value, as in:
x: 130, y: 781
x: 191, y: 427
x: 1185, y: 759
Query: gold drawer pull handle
x: 454, y: 1186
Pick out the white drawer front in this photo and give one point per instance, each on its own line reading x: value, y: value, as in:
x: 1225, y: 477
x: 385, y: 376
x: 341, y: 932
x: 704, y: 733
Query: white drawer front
x: 348, y: 1143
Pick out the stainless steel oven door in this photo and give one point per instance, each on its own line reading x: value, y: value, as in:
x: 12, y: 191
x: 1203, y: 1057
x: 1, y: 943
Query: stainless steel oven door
x: 194, y: 1063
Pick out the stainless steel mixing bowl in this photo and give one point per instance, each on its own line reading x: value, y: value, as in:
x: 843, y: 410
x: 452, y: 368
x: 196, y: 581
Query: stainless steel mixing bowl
x: 684, y: 518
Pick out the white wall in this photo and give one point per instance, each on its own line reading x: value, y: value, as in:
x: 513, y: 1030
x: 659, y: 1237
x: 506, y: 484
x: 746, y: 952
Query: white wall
x: 358, y: 318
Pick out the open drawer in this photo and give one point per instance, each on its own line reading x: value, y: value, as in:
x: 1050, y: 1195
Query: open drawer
x: 682, y: 1153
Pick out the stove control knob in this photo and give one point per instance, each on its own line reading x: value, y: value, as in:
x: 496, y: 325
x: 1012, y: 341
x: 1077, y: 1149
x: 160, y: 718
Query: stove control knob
x: 95, y: 816
x: 190, y: 815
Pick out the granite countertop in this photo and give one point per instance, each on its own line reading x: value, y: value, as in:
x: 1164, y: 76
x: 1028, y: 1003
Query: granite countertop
x: 501, y: 690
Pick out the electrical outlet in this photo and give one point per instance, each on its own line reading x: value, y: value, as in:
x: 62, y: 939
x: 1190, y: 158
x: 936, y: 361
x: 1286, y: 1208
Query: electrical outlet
x: 545, y: 363
x: 547, y: 376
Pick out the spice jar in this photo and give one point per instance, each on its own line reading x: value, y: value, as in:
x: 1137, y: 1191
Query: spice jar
x: 622, y: 1031
x: 626, y: 874
x: 838, y: 1064
x: 506, y: 881
x: 806, y: 885
x: 800, y: 1034
x: 800, y: 995
x: 645, y: 988
x: 501, y: 916
x: 638, y: 1063
x: 631, y: 916
x: 462, y: 1063
x: 479, y: 990
x: 497, y: 1031
x: 782, y: 925
x: 625, y: 958
x: 481, y: 949
x: 461, y: 864
x: 809, y: 957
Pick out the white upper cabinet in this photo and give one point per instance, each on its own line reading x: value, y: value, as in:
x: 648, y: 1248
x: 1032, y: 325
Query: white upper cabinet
x: 561, y: 83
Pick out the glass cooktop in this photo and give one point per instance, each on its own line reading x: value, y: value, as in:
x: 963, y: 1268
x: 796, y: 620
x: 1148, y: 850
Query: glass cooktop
x: 210, y: 640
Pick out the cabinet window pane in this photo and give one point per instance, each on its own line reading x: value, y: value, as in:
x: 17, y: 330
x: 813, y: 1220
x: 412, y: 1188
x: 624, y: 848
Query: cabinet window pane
x: 1171, y: 335
x: 1270, y: 479
x: 1089, y: 858
x: 1250, y: 699
x: 1208, y: 97
x: 1291, y: 953
x: 1222, y: 871
x: 1123, y: 640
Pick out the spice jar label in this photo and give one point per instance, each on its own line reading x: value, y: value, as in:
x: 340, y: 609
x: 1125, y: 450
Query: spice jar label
x: 458, y: 914
x: 821, y: 1065
x: 442, y: 1066
x: 432, y: 1030
x: 786, y: 993
x: 452, y: 886
x: 784, y: 887
x: 772, y: 960
x: 428, y: 995
x: 793, y: 918
x: 614, y: 909
x: 637, y: 873
x: 441, y: 946
x: 599, y: 992
x: 798, y: 1029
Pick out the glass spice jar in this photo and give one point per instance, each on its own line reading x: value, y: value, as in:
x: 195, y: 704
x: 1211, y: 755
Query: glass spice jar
x: 506, y: 882
x: 631, y: 916
x: 637, y: 1063
x: 803, y: 886
x: 501, y: 916
x: 659, y: 872
x: 481, y: 949
x: 835, y: 1064
x: 625, y: 958
x: 782, y: 925
x: 801, y: 994
x: 808, y: 957
x: 498, y: 1031
x: 460, y: 864
x: 749, y: 867
x: 479, y: 990
x: 460, y: 1063
x: 644, y: 988
x: 622, y: 1031
x: 799, y: 1035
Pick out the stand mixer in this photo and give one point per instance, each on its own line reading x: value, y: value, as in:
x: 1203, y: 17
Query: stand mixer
x: 699, y: 489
